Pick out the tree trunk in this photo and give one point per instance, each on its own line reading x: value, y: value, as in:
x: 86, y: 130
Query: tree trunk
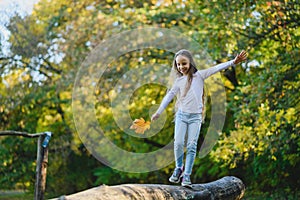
x: 226, y: 188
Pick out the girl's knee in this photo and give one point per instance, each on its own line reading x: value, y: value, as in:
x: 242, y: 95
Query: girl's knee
x: 178, y: 145
x: 192, y: 146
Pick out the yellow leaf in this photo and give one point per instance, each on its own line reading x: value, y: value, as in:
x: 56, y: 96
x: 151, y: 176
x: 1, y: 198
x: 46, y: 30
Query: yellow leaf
x: 206, y: 10
x: 140, y: 125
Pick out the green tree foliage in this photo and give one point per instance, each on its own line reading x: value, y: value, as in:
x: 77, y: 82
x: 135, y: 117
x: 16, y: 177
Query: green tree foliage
x: 265, y: 140
x: 260, y: 140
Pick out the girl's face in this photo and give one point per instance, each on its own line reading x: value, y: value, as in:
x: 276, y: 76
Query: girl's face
x: 183, y: 64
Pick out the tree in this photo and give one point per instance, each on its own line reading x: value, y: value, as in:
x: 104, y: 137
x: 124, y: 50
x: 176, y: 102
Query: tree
x: 265, y: 139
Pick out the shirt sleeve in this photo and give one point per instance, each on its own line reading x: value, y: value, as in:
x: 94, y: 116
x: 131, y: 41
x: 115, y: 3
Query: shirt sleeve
x: 205, y: 73
x: 168, y: 98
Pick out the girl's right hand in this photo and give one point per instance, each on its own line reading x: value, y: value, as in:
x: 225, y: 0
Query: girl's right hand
x: 155, y: 116
x: 240, y: 57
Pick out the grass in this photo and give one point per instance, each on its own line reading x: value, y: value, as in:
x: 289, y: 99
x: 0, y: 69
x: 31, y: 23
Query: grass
x: 15, y: 195
x: 275, y: 195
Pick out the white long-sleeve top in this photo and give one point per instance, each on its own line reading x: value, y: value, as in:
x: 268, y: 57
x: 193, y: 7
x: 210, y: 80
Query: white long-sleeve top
x: 192, y: 101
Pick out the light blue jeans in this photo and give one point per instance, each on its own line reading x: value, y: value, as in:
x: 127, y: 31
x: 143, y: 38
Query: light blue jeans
x: 189, y: 123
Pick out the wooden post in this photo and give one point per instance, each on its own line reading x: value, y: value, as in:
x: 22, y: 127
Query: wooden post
x: 41, y: 160
x: 41, y: 166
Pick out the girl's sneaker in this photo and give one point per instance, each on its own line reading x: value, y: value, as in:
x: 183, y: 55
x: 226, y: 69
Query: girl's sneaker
x: 176, y: 176
x: 186, y: 180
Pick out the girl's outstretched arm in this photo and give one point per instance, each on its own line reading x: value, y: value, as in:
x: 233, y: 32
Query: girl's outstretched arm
x: 166, y: 100
x: 205, y: 73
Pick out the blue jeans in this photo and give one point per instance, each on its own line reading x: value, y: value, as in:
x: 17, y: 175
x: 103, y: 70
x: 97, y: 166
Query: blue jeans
x: 189, y: 123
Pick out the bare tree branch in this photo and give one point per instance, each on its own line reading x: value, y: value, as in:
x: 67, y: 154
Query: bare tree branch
x: 18, y: 133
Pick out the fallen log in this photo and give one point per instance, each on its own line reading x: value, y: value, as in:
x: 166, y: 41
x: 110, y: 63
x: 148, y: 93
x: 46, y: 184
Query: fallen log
x: 226, y: 188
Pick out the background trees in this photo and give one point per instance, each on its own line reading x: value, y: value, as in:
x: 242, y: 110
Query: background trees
x: 260, y: 140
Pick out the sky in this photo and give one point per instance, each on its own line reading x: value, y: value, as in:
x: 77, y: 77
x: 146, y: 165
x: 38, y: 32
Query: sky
x: 9, y: 7
x: 24, y: 5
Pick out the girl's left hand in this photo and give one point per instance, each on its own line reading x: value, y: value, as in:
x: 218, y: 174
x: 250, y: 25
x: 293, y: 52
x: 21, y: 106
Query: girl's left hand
x: 155, y: 116
x: 240, y: 57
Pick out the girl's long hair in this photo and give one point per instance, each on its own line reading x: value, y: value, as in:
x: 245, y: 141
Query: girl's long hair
x: 192, y: 70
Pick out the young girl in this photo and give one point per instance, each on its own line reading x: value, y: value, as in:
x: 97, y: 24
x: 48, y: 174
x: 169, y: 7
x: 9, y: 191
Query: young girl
x: 188, y: 87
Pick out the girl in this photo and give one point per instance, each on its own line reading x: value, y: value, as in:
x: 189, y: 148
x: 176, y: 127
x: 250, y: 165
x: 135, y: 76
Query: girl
x: 188, y: 87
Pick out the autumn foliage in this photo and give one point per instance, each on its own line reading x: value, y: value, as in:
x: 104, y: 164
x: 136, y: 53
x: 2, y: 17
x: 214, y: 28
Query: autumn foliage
x: 140, y: 125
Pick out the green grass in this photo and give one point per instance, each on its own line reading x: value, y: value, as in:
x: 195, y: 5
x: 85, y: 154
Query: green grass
x: 15, y: 195
x: 276, y: 195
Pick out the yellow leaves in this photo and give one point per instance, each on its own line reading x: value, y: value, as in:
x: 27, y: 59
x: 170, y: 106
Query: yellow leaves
x: 290, y: 115
x: 206, y: 10
x: 173, y: 22
x: 49, y: 119
x: 232, y: 165
x: 278, y: 115
x: 228, y: 32
x: 140, y: 125
x: 273, y: 158
x: 246, y: 89
x: 236, y: 97
x: 16, y: 77
x: 21, y: 124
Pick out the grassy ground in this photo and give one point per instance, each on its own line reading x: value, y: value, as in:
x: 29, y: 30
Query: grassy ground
x: 15, y: 195
x: 276, y: 195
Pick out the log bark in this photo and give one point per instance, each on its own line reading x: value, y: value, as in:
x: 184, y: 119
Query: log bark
x: 226, y: 188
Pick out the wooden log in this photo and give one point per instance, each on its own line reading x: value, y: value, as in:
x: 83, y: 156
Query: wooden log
x: 226, y: 188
